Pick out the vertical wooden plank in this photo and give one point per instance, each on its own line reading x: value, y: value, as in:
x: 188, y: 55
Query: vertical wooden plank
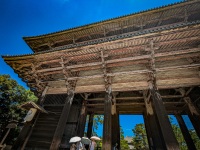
x: 115, y: 126
x: 185, y: 132
x: 62, y: 122
x: 90, y: 124
x: 167, y: 133
x: 107, y: 124
x: 193, y: 114
x: 149, y: 132
x: 82, y: 120
x: 153, y: 133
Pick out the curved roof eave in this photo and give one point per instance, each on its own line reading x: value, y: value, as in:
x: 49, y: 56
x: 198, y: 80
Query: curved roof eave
x: 160, y: 29
x: 29, y: 38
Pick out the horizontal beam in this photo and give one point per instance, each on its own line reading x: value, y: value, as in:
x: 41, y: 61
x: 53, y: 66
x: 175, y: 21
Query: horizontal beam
x: 131, y: 72
x: 132, y: 86
x: 134, y: 98
x: 165, y: 54
x: 133, y: 103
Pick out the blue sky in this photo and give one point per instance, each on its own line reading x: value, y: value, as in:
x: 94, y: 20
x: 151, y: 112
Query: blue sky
x: 19, y: 18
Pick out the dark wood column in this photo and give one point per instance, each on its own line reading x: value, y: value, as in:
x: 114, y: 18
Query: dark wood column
x: 185, y: 132
x: 62, y: 122
x: 90, y: 124
x: 193, y: 114
x: 107, y: 124
x: 167, y: 133
x: 153, y: 132
x: 115, y: 125
x: 82, y: 121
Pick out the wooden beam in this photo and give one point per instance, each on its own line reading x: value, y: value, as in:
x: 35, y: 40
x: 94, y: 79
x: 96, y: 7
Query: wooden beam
x: 107, y: 124
x: 82, y: 120
x: 90, y: 124
x: 165, y: 54
x: 133, y: 72
x: 168, y: 136
x: 135, y: 98
x: 62, y: 122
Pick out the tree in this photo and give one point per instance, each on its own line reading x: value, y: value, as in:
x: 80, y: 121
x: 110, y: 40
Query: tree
x: 123, y: 142
x: 195, y: 138
x: 98, y: 120
x: 179, y: 137
x: 11, y: 96
x: 140, y: 138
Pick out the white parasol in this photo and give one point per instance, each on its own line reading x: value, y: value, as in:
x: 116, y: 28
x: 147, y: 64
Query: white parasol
x: 85, y: 140
x: 95, y: 138
x: 74, y: 139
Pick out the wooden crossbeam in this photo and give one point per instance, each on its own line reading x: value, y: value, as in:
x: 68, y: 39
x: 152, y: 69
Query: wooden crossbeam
x: 165, y: 54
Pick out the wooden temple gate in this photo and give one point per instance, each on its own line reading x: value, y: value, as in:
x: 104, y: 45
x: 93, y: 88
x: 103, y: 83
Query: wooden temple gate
x: 145, y: 63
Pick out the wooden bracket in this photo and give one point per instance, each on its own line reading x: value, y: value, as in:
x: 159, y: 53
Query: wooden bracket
x: 67, y: 73
x: 107, y: 79
x: 147, y: 96
x: 191, y: 106
x: 147, y: 102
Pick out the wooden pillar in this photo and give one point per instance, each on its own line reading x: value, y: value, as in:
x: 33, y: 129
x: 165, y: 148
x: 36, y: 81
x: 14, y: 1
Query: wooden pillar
x: 62, y: 122
x: 107, y: 124
x: 90, y: 124
x: 193, y: 114
x: 82, y: 120
x: 153, y: 132
x: 115, y: 125
x: 167, y: 133
x: 185, y: 132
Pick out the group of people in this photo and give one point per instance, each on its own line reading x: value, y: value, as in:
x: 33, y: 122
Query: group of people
x: 80, y: 146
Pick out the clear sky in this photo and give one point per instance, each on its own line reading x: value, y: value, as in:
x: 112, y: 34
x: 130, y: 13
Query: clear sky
x: 19, y: 18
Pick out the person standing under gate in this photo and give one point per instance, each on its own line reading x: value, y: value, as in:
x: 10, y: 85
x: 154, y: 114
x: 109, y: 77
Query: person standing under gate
x: 92, y: 145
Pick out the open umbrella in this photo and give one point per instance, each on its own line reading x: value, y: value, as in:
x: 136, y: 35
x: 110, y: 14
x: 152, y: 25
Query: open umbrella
x: 85, y: 140
x: 95, y: 138
x: 74, y: 139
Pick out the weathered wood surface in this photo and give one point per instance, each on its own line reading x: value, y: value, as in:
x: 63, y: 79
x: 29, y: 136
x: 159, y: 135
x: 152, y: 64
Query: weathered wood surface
x: 90, y: 125
x: 165, y: 128
x: 62, y: 122
x: 107, y: 123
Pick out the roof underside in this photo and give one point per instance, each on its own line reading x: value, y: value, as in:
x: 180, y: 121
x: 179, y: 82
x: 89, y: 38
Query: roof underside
x: 177, y: 60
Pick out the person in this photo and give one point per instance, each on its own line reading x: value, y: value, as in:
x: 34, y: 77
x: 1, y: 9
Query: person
x: 79, y: 146
x: 87, y: 146
x: 73, y: 146
x: 92, y: 145
x: 116, y: 147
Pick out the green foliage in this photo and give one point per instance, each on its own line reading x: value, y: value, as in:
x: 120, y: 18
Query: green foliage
x: 195, y: 138
x: 98, y: 119
x: 11, y: 96
x: 179, y: 137
x: 123, y: 142
x: 140, y: 137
